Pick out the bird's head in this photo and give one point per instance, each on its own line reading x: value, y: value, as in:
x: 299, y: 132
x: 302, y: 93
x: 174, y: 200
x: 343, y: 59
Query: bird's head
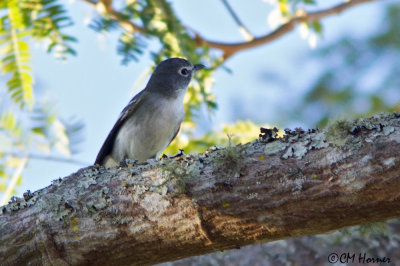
x: 172, y: 76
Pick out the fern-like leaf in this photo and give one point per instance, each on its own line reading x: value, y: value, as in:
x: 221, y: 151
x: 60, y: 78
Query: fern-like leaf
x: 16, y: 55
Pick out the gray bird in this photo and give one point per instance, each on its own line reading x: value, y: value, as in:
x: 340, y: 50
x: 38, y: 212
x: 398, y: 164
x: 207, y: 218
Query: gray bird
x: 152, y: 119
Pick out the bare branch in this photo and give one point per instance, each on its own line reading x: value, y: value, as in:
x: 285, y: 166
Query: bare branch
x: 45, y: 158
x: 230, y: 49
x: 242, y: 28
x: 57, y: 159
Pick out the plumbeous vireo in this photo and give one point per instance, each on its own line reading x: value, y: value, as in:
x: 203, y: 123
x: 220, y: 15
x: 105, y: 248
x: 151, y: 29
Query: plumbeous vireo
x: 152, y: 119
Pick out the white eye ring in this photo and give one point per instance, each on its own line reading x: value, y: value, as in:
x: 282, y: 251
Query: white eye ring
x: 184, y: 71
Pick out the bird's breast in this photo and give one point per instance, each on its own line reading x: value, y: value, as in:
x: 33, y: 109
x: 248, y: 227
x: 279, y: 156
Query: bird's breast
x: 149, y: 131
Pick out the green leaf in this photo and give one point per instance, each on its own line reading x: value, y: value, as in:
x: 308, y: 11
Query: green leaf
x: 39, y: 131
x: 317, y: 27
x: 16, y: 57
x: 310, y: 2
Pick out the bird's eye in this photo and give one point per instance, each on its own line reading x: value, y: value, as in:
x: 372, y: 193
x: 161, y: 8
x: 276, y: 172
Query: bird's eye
x: 184, y: 71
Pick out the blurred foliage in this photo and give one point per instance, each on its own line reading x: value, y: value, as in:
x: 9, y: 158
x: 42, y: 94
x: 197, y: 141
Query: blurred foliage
x: 25, y: 125
x: 21, y: 20
x: 361, y: 77
x: 22, y: 133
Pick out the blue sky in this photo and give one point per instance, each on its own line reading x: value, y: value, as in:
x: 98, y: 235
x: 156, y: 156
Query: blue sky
x: 95, y: 87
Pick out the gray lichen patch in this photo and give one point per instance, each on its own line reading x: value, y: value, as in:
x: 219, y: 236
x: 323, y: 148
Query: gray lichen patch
x: 54, y: 205
x: 338, y: 132
x: 175, y: 173
x: 86, y: 182
x: 100, y: 199
x: 89, y: 176
x: 318, y: 141
x: 15, y: 203
x: 163, y: 188
x: 139, y: 189
x: 302, y: 143
x: 343, y: 134
x: 274, y: 147
x: 390, y: 161
x: 346, y: 134
x: 43, y: 197
x: 297, y: 150
x: 90, y: 172
x: 378, y: 125
x: 387, y: 130
x: 60, y: 212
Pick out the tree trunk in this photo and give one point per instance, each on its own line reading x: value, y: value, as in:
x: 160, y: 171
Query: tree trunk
x: 303, y: 184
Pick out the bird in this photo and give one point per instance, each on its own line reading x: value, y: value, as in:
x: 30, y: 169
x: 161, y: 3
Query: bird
x: 152, y: 118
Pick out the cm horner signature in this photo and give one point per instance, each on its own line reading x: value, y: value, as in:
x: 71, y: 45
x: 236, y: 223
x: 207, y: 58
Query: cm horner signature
x: 355, y: 258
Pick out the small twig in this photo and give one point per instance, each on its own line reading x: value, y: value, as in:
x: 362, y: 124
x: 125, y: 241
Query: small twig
x: 58, y: 159
x: 13, y: 181
x: 105, y: 7
x: 242, y: 28
x: 46, y: 158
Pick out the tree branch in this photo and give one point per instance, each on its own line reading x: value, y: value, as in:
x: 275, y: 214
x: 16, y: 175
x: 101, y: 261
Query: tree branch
x: 230, y: 49
x: 305, y: 183
x: 105, y: 7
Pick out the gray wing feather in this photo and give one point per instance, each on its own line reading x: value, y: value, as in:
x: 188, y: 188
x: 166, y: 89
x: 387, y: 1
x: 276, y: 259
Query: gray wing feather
x: 128, y: 111
x: 176, y: 133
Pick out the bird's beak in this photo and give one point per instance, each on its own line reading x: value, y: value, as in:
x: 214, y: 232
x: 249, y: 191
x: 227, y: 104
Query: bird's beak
x: 198, y: 67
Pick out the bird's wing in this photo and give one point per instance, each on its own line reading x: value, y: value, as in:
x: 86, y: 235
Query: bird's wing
x: 128, y: 111
x: 176, y: 133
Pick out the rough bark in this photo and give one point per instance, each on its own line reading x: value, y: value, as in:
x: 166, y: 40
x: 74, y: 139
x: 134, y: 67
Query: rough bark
x: 303, y: 184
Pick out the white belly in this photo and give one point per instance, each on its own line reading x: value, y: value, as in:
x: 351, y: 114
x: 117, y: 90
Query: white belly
x: 149, y: 131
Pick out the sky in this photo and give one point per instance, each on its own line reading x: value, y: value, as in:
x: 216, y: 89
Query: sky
x: 94, y: 87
